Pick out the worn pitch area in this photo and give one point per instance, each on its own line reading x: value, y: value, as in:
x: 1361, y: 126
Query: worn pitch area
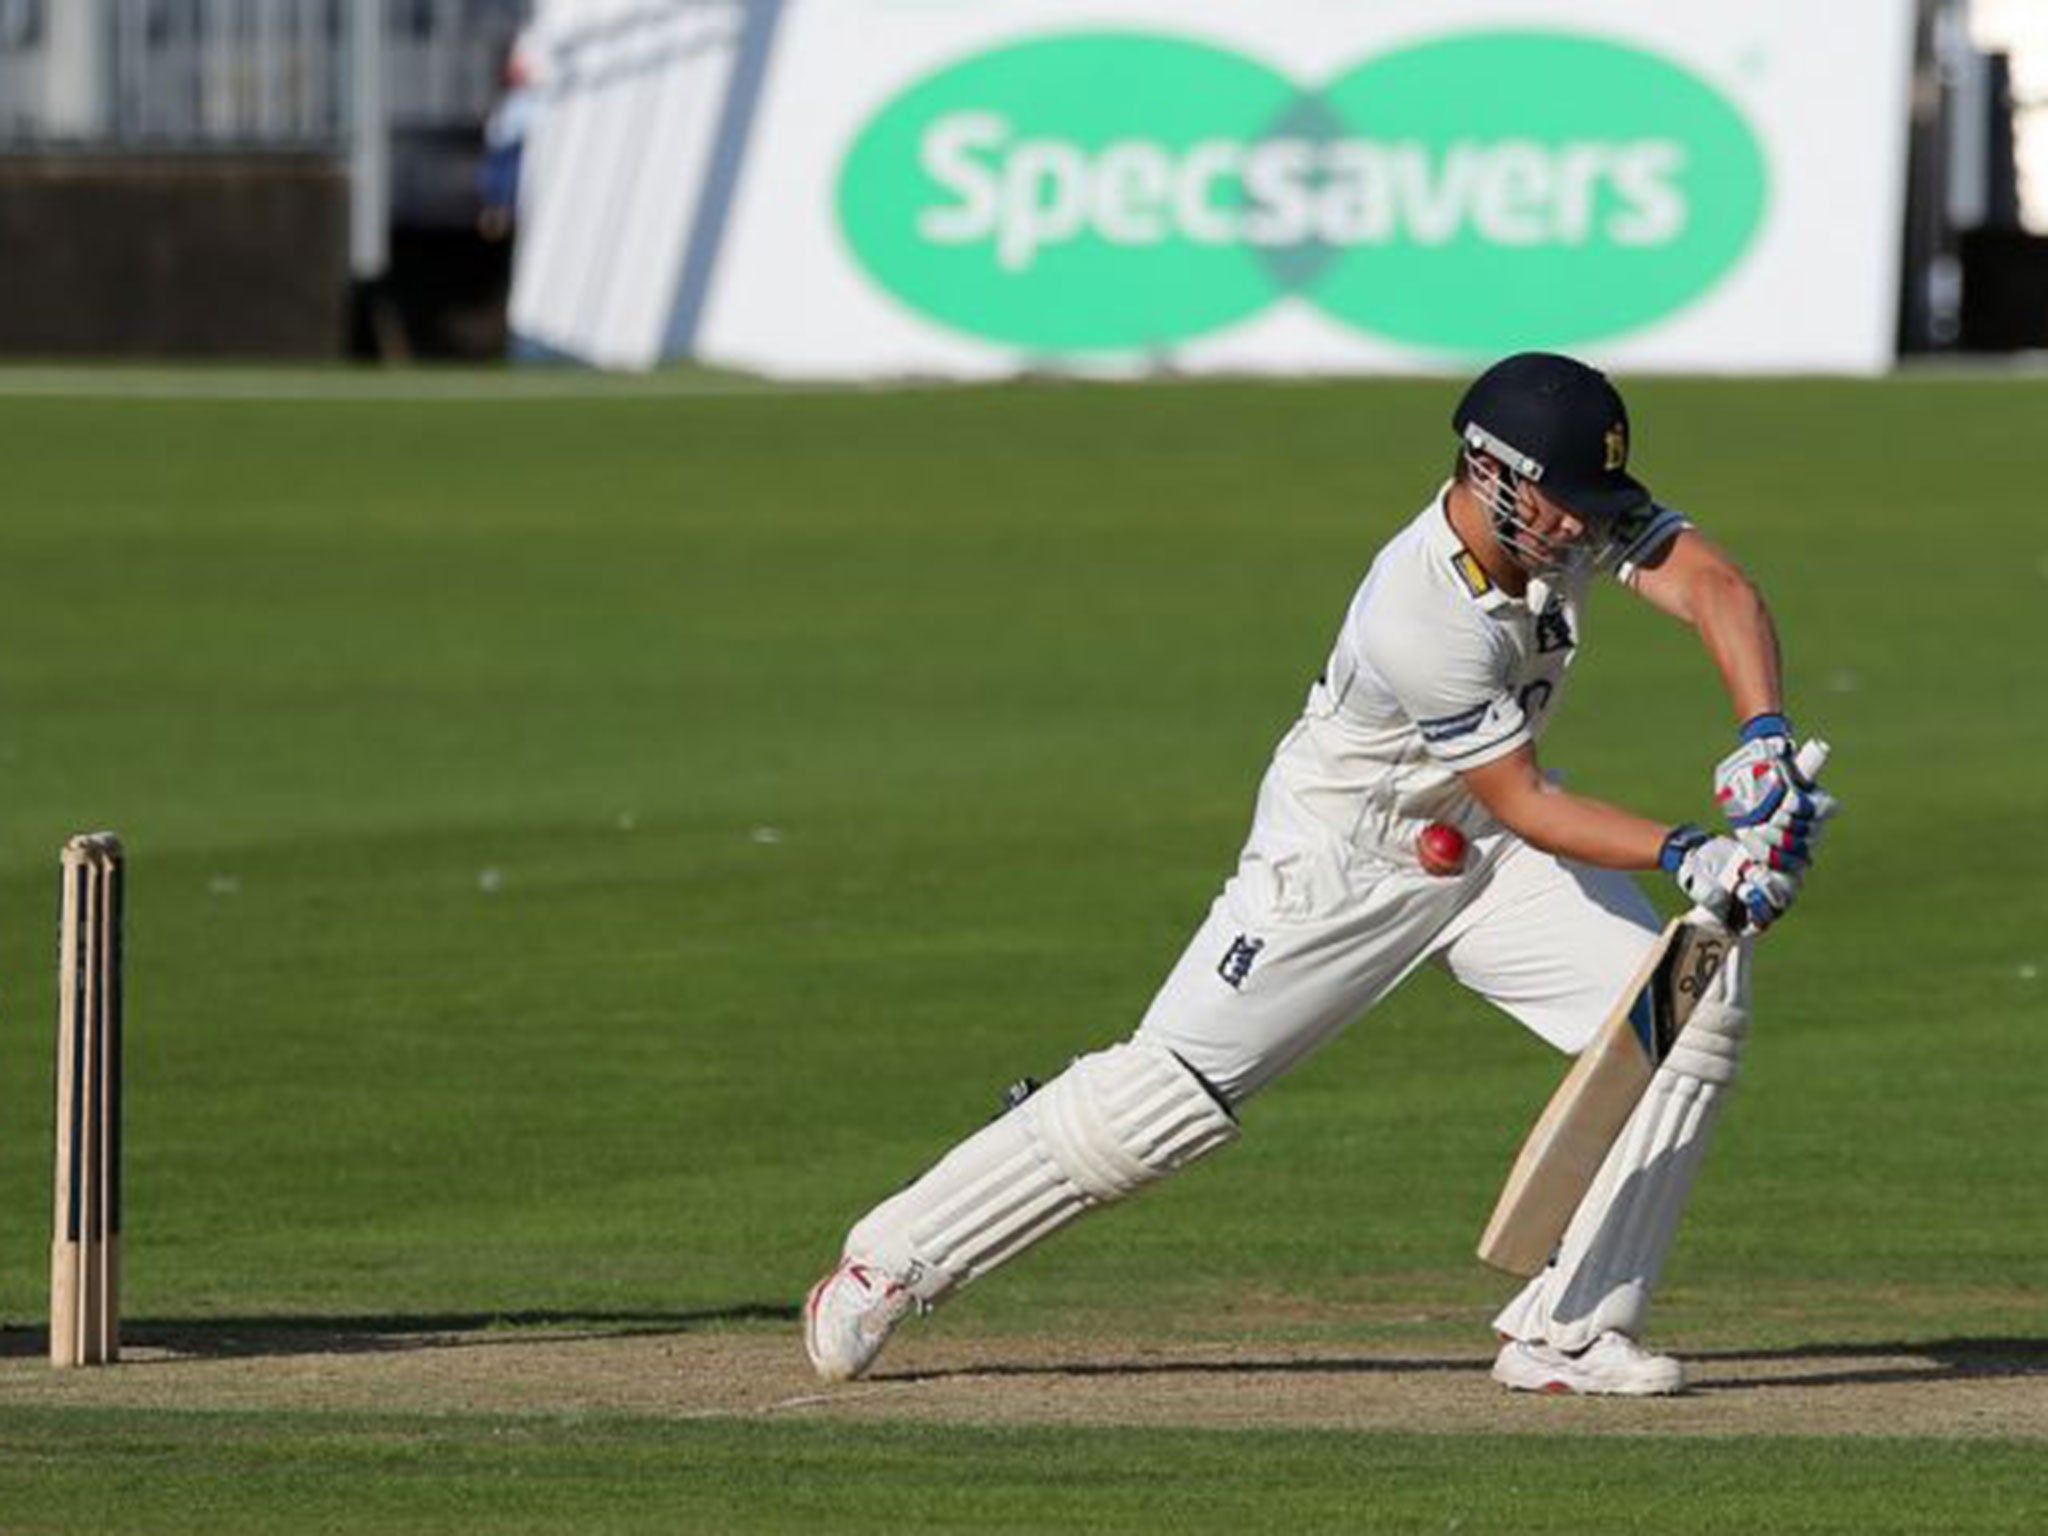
x: 1979, y: 1387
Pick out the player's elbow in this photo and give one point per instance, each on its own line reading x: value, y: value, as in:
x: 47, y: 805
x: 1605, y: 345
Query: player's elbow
x: 1721, y: 595
x: 1517, y: 796
x: 1533, y: 819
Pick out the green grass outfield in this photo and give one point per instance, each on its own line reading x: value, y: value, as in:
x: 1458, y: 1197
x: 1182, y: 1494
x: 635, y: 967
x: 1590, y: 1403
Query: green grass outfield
x: 589, y: 841
x: 231, y: 1475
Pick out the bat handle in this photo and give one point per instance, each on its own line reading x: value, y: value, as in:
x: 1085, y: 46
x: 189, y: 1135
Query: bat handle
x: 1736, y: 927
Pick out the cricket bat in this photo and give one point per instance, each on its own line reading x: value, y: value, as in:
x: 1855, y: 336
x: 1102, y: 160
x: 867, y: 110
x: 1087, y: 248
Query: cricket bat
x: 1572, y: 1137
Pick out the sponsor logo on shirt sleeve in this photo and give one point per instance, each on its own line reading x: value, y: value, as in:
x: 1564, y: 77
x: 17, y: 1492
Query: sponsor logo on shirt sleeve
x: 1450, y: 727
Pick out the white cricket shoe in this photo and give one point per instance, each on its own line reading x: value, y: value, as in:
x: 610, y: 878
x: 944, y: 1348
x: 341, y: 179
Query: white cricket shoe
x: 1613, y: 1364
x: 849, y: 1316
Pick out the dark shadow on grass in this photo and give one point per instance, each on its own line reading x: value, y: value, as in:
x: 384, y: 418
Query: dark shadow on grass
x: 2010, y: 1359
x: 222, y: 1338
x: 1083, y: 1370
x: 1991, y: 1359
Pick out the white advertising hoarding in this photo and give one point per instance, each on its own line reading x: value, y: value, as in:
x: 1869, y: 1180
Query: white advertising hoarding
x: 974, y: 189
x: 619, y: 199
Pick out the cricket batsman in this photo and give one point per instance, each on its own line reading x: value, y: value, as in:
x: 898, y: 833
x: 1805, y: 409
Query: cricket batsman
x: 1448, y: 666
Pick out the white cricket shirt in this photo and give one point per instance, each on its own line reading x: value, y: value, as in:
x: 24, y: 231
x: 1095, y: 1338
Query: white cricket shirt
x: 1436, y: 670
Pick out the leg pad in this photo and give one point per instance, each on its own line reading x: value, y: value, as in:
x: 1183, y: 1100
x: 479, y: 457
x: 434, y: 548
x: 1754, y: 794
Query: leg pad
x: 1613, y: 1252
x: 1112, y: 1123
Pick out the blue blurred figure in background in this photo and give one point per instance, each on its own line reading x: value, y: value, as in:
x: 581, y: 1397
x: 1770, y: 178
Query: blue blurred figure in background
x: 505, y: 141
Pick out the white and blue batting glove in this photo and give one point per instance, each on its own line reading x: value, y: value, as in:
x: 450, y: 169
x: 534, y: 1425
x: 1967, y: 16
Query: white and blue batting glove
x: 1720, y: 875
x: 1772, y: 802
x: 1787, y: 842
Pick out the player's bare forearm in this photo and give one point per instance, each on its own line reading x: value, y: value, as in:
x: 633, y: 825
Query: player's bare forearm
x: 1735, y: 625
x: 1696, y: 582
x: 1557, y: 821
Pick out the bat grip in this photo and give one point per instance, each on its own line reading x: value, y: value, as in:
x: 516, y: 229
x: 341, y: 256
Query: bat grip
x: 1808, y: 761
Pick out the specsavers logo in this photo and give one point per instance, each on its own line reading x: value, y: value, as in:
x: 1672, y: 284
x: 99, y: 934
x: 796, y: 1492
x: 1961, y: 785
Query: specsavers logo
x: 1117, y: 191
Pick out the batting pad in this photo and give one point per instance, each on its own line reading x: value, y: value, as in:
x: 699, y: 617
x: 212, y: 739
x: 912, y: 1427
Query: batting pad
x: 1109, y: 1125
x: 1613, y: 1252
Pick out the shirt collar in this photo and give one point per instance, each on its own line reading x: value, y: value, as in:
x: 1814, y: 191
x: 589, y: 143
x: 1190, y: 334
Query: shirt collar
x: 1449, y: 554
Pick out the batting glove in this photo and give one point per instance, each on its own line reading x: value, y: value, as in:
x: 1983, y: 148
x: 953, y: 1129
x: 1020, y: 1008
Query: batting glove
x: 1787, y: 843
x: 1774, y: 808
x: 1720, y: 875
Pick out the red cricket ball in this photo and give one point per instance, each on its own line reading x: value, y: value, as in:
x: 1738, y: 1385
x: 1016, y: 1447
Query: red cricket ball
x: 1441, y: 849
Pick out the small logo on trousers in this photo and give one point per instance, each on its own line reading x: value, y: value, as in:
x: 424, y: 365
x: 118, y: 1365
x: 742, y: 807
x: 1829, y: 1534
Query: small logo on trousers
x: 1237, y: 960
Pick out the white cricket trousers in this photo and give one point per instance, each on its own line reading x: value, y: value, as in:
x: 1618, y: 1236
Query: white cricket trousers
x: 1312, y: 931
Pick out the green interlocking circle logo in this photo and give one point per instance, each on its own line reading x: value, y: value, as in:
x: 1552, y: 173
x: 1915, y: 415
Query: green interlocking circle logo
x: 1121, y: 191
